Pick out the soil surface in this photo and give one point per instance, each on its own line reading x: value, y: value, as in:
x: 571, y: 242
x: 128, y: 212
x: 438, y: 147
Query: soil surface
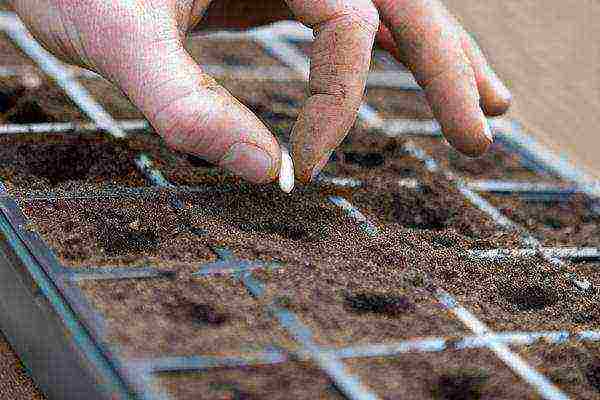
x: 278, y: 382
x: 450, y: 375
x: 110, y: 231
x: 498, y: 163
x: 347, y: 286
x: 574, y: 367
x: 183, y: 316
x: 43, y: 103
x: 66, y: 163
x: 573, y: 222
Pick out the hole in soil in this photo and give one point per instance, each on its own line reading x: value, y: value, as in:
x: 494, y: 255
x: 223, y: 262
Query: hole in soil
x: 206, y: 314
x: 460, y: 386
x: 117, y: 237
x: 592, y: 374
x: 292, y: 232
x: 236, y: 60
x: 198, y: 313
x: 417, y: 213
x: 366, y: 160
x: 199, y: 162
x: 57, y: 164
x: 7, y: 100
x: 392, y: 306
x: 29, y: 112
x: 444, y: 241
x: 530, y: 298
x: 405, y: 172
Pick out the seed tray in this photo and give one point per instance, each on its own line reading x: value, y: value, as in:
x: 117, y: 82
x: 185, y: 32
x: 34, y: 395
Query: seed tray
x: 337, y: 294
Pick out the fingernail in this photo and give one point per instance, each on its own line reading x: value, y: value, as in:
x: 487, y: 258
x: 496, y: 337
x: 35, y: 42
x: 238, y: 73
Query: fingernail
x: 488, y: 132
x: 249, y: 162
x: 501, y: 88
x: 319, y: 166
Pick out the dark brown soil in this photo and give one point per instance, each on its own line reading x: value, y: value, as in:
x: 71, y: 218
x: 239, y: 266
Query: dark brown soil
x: 113, y: 101
x: 66, y: 163
x: 111, y: 231
x: 396, y: 103
x: 183, y: 316
x: 232, y: 53
x: 450, y: 375
x: 497, y: 163
x: 574, y: 367
x: 568, y: 223
x: 405, y: 193
x: 278, y: 382
x: 45, y: 103
x: 521, y: 295
x: 11, y: 55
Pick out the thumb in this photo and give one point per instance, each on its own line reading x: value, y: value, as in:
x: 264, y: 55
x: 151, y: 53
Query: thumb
x: 194, y: 114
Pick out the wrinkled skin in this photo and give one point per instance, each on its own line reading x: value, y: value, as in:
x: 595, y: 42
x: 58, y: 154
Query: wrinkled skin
x: 138, y: 45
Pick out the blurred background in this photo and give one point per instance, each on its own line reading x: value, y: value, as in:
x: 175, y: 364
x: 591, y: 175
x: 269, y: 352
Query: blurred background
x: 548, y: 52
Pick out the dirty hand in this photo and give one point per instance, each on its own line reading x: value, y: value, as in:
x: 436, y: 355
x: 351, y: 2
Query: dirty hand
x: 138, y: 45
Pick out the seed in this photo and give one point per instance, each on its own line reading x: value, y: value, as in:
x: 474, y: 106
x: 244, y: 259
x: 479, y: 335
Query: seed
x: 286, y: 174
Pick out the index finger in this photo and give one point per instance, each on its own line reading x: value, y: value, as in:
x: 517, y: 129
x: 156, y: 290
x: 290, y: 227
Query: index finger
x: 344, y: 35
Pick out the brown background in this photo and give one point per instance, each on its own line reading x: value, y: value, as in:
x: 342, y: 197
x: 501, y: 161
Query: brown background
x: 548, y: 52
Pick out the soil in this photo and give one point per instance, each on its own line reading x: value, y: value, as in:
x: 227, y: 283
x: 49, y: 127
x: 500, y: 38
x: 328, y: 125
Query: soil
x: 12, y: 56
x: 278, y: 382
x: 117, y: 231
x: 556, y: 223
x: 520, y: 295
x: 183, y: 316
x: 44, y: 103
x: 396, y: 103
x: 432, y: 205
x: 231, y: 53
x: 498, y: 163
x: 450, y: 375
x: 66, y: 163
x: 574, y: 367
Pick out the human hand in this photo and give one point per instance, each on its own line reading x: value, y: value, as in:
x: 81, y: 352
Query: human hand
x: 138, y: 45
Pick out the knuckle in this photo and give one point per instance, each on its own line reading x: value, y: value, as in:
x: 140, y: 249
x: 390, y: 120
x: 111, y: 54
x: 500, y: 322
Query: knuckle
x: 365, y: 14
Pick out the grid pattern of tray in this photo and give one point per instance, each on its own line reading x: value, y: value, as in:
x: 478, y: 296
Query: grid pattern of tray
x: 84, y: 323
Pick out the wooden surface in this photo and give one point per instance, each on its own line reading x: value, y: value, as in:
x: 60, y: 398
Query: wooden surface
x: 548, y: 52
